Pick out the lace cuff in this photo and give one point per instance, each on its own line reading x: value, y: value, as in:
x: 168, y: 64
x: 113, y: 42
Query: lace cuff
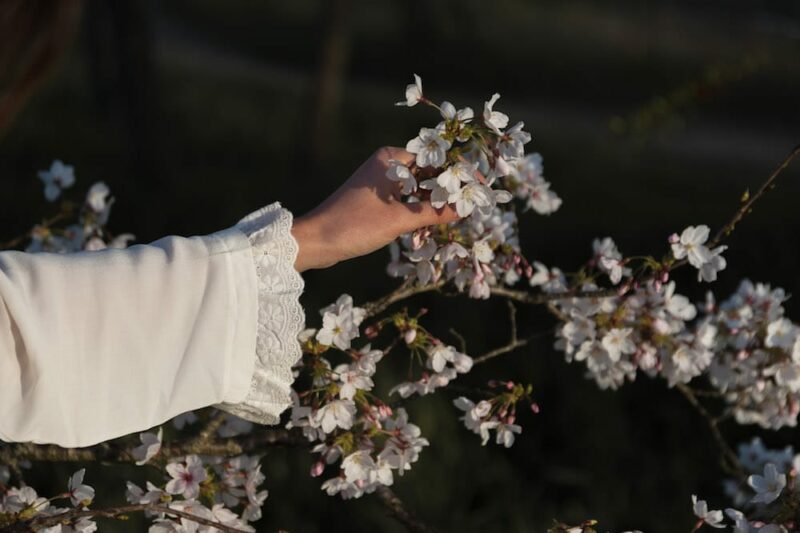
x: 280, y: 316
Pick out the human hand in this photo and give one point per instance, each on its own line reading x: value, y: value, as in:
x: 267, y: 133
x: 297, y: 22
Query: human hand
x: 363, y: 215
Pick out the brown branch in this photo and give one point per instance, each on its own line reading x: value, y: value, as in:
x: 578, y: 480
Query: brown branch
x: 12, y: 454
x: 207, y: 434
x: 729, y: 461
x: 544, y: 298
x: 398, y: 510
x: 746, y: 207
x: 404, y: 291
x: 40, y: 521
x: 510, y: 347
x: 13, y: 243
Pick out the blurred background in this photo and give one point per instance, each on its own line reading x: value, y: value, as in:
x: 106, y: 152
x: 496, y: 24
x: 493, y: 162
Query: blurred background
x: 651, y: 115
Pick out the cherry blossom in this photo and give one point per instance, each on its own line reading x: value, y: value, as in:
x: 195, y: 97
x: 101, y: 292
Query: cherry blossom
x: 769, y: 486
x: 151, y: 444
x: 701, y: 511
x: 58, y: 177
x: 186, y: 477
x: 79, y: 494
x: 430, y: 147
x: 494, y: 119
x: 413, y: 93
x: 400, y: 173
x: 691, y: 245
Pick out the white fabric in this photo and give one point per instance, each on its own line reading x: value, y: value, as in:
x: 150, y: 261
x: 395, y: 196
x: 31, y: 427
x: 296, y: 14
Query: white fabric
x: 96, y: 345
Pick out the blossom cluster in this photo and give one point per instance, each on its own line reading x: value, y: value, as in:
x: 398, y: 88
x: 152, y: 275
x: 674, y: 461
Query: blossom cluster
x: 367, y: 439
x: 642, y: 327
x: 768, y: 496
x: 757, y: 361
x: 23, y: 503
x: 498, y: 413
x: 89, y: 232
x: 206, y: 487
x: 476, y: 166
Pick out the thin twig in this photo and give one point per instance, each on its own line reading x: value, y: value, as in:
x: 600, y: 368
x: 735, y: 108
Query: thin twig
x: 512, y: 318
x: 399, y: 511
x: 12, y: 454
x: 462, y: 342
x: 13, y: 243
x: 730, y: 461
x: 41, y: 522
x: 406, y: 290
x: 208, y: 432
x: 510, y: 347
x: 746, y: 207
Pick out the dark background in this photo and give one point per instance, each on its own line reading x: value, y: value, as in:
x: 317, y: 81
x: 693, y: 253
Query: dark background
x: 651, y: 115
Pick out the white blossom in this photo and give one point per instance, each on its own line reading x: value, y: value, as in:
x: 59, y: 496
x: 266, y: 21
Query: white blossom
x: 186, y: 477
x: 494, y: 119
x: 57, y: 178
x: 691, y: 245
x: 701, y: 511
x: 151, y: 444
x: 769, y: 486
x: 400, y: 173
x: 337, y: 413
x: 429, y: 147
x: 413, y: 93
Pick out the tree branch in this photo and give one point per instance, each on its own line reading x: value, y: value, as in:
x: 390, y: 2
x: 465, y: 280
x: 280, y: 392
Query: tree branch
x: 12, y: 454
x: 399, y: 511
x: 41, y: 522
x: 406, y: 290
x: 729, y: 460
x: 746, y: 207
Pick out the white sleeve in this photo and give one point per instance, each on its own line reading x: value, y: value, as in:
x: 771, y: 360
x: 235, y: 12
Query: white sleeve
x: 96, y: 345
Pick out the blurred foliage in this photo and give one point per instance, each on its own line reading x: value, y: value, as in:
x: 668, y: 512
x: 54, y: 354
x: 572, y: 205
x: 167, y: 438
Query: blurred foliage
x: 224, y: 129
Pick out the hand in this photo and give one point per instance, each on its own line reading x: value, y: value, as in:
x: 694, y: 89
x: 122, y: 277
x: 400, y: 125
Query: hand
x: 363, y: 215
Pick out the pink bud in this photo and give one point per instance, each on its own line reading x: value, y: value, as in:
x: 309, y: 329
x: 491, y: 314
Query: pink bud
x: 371, y: 332
x: 410, y: 335
x: 535, y: 408
x: 385, y: 411
x: 511, y: 419
x: 317, y: 469
x: 665, y: 276
x: 657, y: 285
x: 528, y: 271
x: 509, y: 385
x: 674, y: 239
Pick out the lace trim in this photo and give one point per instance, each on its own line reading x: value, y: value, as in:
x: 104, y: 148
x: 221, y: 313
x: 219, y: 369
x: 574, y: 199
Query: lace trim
x: 280, y: 315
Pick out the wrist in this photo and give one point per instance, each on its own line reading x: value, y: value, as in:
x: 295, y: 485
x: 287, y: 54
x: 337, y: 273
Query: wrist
x: 314, y: 250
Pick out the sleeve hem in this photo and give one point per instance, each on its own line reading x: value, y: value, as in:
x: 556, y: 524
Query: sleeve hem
x: 280, y: 315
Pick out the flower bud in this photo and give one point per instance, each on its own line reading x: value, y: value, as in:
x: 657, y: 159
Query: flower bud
x: 535, y: 408
x: 317, y: 469
x: 410, y: 335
